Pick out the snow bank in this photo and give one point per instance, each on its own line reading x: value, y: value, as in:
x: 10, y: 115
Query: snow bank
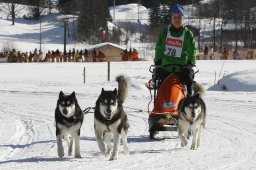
x: 239, y: 81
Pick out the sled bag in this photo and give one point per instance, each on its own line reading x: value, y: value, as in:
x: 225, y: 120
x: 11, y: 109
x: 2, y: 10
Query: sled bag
x: 169, y: 95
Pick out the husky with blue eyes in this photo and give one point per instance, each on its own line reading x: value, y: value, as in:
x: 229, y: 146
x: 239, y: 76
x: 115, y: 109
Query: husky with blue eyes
x: 69, y: 119
x: 110, y: 120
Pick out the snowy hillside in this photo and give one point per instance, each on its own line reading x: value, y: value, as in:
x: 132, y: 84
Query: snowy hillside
x: 25, y: 34
x: 130, y: 13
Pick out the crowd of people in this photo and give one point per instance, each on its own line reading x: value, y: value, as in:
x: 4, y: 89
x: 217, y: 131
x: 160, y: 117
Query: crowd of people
x: 130, y: 55
x: 225, y: 54
x: 37, y: 56
x: 73, y: 55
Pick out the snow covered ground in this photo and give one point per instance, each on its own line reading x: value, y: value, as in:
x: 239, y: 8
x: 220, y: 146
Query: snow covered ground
x: 29, y: 92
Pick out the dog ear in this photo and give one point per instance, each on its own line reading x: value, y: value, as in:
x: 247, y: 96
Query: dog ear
x: 61, y: 94
x: 180, y: 106
x: 73, y: 94
x: 102, y: 90
x: 197, y: 95
x: 115, y: 91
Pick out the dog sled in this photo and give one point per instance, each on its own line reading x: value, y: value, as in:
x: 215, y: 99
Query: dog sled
x: 166, y: 97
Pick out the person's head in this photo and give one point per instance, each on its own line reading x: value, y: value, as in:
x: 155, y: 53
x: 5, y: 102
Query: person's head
x: 177, y: 13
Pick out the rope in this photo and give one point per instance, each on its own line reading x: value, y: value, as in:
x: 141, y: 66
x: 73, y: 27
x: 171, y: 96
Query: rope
x: 87, y: 110
x: 139, y: 110
x: 151, y: 98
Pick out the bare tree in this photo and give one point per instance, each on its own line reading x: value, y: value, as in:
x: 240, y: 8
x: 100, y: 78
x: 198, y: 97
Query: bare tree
x: 38, y: 7
x: 12, y: 9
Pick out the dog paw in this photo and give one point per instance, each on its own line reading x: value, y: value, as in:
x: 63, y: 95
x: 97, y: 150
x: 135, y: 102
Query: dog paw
x: 60, y: 152
x: 126, y: 149
x: 193, y: 147
x: 112, y: 158
x: 78, y: 156
x: 109, y: 151
x: 69, y: 153
x: 184, y: 144
x: 103, y: 150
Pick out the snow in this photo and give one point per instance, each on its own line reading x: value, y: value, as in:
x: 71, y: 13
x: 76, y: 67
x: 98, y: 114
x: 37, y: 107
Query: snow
x: 29, y: 93
x: 131, y: 12
x: 104, y: 44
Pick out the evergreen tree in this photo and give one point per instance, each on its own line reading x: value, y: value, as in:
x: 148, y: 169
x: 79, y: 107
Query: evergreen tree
x: 37, y: 7
x: 92, y: 20
x: 147, y: 3
x: 69, y: 6
x: 116, y: 35
x: 154, y: 15
x: 164, y: 15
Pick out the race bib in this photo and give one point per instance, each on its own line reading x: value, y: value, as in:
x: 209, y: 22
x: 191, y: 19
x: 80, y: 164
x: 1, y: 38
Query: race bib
x: 173, y: 45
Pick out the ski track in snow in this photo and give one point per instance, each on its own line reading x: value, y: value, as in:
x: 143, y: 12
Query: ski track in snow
x: 27, y: 134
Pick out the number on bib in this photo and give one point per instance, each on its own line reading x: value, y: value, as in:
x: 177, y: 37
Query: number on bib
x: 171, y: 52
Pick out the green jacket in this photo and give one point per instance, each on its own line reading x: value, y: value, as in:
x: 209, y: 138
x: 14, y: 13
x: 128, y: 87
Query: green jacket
x: 188, y: 55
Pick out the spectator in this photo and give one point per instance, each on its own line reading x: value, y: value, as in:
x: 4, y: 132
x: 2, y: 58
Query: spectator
x: 94, y: 55
x: 236, y: 55
x: 211, y: 53
x: 205, y: 57
x: 225, y: 54
x: 135, y: 55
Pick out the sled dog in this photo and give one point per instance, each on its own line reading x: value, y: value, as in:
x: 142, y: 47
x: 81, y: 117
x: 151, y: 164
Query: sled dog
x: 191, y: 121
x: 69, y: 119
x: 110, y: 120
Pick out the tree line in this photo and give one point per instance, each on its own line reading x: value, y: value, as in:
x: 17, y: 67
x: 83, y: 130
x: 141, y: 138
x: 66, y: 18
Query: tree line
x: 232, y: 22
x: 93, y: 17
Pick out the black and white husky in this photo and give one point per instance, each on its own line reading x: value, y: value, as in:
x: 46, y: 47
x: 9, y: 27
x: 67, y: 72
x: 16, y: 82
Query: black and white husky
x: 69, y: 119
x: 110, y: 119
x: 192, y: 113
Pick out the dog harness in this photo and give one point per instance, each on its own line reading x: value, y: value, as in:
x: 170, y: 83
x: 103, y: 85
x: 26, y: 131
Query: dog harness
x: 68, y: 124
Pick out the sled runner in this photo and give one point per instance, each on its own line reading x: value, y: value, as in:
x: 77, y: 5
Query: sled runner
x: 167, y: 95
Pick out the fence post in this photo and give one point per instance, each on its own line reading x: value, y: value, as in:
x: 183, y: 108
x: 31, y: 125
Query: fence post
x: 108, y: 70
x: 84, y: 75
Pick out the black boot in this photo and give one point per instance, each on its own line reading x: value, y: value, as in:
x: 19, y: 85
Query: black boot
x: 187, y: 77
x: 189, y: 89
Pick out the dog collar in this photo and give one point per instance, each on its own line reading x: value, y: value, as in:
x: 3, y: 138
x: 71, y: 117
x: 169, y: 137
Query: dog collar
x: 191, y: 121
x: 69, y: 124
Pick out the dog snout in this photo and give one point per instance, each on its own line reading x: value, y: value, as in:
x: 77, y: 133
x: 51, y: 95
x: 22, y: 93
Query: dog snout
x: 193, y: 114
x: 65, y: 111
x: 108, y: 110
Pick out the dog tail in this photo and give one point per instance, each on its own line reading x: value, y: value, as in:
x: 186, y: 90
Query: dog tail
x: 123, y: 86
x: 198, y: 88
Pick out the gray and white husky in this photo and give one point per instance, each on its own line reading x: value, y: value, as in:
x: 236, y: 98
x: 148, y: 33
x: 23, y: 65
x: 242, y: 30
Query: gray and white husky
x: 192, y: 113
x: 110, y: 120
x: 69, y: 119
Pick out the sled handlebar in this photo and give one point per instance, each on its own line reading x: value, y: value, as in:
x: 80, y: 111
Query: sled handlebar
x: 151, y: 68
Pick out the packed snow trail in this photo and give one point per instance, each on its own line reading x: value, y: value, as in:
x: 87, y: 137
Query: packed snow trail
x: 27, y: 128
